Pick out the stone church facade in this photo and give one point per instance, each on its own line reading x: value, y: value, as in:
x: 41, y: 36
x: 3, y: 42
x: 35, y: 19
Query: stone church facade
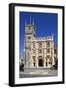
x: 38, y: 51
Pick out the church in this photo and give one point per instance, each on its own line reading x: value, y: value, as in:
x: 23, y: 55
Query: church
x: 38, y: 51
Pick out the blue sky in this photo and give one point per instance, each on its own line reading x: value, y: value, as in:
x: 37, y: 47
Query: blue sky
x: 45, y: 23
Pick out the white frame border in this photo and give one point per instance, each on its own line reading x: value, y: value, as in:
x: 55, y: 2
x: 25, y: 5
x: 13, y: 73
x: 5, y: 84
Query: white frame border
x: 38, y: 79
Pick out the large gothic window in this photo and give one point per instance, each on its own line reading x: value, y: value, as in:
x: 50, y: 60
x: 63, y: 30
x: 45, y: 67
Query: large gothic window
x: 40, y: 51
x: 33, y: 57
x: 48, y: 44
x: 40, y: 44
x: 48, y: 50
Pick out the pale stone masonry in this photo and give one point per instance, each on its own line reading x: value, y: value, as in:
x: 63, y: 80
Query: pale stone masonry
x: 38, y: 51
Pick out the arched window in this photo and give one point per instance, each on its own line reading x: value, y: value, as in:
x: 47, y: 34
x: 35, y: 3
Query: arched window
x: 48, y: 43
x: 40, y: 51
x: 40, y: 44
x: 48, y: 50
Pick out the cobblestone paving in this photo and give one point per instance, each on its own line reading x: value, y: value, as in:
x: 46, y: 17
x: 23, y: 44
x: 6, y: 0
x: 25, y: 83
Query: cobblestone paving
x: 37, y: 73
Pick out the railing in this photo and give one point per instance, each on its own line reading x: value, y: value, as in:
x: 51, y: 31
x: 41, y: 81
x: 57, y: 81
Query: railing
x: 45, y: 38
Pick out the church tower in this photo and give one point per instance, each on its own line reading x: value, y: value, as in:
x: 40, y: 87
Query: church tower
x: 29, y: 35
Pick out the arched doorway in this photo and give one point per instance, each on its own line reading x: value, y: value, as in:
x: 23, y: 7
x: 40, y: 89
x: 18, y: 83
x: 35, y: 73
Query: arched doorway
x: 40, y: 62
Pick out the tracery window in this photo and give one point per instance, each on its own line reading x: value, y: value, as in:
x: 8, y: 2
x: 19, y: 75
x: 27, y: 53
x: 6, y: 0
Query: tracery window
x: 48, y: 50
x: 40, y: 44
x: 40, y: 51
x: 48, y: 44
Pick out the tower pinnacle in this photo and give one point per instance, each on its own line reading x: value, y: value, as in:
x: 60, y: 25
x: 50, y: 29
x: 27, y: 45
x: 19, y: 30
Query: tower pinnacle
x: 33, y: 22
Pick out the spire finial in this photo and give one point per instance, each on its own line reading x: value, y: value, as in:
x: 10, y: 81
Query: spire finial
x: 33, y: 22
x: 53, y: 36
